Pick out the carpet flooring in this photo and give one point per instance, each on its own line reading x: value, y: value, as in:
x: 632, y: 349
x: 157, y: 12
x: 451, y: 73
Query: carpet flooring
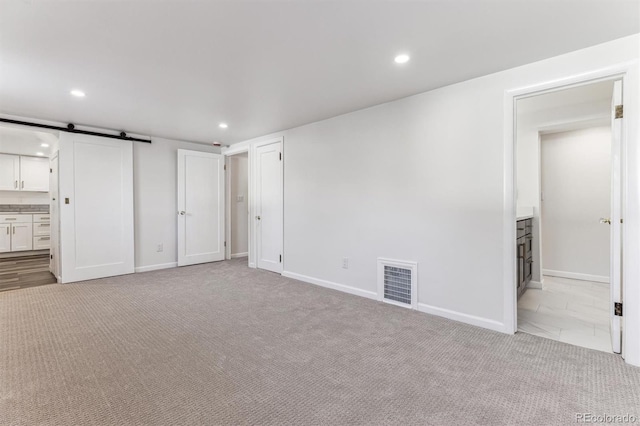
x: 222, y: 344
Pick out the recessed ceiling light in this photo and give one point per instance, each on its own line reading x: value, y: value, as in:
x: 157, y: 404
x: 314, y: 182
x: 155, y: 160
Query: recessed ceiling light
x: 44, y: 145
x: 402, y: 59
x: 78, y: 93
x: 40, y: 153
x: 223, y: 125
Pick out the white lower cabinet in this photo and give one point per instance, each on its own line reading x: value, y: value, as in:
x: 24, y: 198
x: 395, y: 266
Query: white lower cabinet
x: 41, y: 243
x: 21, y: 236
x: 5, y: 237
x: 24, y: 232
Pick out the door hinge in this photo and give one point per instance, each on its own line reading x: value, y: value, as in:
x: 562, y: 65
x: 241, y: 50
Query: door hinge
x: 50, y: 170
x: 225, y: 167
x: 617, y: 309
x: 225, y: 243
x: 280, y: 258
x: 280, y: 156
x: 619, y: 111
x: 50, y: 256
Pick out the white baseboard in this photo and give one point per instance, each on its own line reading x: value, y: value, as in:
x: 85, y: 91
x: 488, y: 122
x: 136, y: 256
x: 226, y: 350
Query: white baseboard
x: 576, y: 276
x: 236, y: 255
x: 422, y: 307
x: 535, y: 284
x: 465, y: 318
x: 328, y: 284
x: 156, y: 267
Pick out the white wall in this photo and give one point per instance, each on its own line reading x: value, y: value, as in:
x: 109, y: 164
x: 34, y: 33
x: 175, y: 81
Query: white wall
x: 576, y: 184
x: 238, y: 173
x: 155, y: 186
x: 419, y: 179
x: 16, y: 197
x: 541, y: 113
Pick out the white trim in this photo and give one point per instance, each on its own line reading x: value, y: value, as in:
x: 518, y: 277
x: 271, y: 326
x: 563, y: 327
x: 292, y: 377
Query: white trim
x: 570, y: 125
x: 227, y: 207
x: 238, y: 148
x: 461, y: 317
x: 576, y: 276
x: 535, y: 284
x: 236, y: 255
x: 156, y: 267
x: 628, y: 73
x: 334, y: 286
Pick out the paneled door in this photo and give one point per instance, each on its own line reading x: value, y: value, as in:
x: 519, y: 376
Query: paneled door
x: 200, y: 207
x: 96, y: 207
x: 269, y: 206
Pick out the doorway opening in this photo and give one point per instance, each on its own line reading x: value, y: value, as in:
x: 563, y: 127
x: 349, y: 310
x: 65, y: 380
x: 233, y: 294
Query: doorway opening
x: 568, y: 196
x: 26, y: 226
x: 238, y: 206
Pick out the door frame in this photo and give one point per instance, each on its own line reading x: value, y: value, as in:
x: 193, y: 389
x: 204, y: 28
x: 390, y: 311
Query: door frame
x: 250, y: 148
x: 227, y: 184
x: 630, y: 147
x: 54, y: 253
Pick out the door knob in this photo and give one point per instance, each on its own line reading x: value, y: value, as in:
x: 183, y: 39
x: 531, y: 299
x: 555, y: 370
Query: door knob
x: 607, y: 220
x: 258, y: 217
x: 182, y: 213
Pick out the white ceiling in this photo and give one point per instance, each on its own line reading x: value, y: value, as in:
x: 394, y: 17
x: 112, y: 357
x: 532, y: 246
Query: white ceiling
x: 25, y: 142
x: 177, y: 69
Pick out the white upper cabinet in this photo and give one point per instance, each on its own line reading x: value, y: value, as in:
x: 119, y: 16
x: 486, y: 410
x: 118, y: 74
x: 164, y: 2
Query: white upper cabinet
x: 9, y: 172
x: 34, y: 174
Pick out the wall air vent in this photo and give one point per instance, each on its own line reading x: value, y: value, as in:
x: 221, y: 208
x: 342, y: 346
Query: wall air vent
x: 398, y: 282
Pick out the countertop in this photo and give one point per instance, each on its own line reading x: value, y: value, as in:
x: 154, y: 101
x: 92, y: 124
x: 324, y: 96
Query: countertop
x: 24, y: 212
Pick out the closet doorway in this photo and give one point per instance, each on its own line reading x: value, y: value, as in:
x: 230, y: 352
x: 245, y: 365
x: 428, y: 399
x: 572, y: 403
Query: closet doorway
x: 237, y: 205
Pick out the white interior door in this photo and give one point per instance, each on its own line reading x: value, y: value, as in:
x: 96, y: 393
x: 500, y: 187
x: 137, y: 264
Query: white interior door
x: 616, y: 216
x: 269, y: 206
x: 96, y: 207
x: 200, y: 207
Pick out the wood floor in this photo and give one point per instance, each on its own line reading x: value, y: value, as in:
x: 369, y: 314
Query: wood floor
x: 25, y: 271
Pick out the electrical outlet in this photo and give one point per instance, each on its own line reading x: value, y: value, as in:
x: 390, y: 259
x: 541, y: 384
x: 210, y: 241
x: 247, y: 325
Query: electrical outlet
x: 160, y: 248
x: 345, y: 263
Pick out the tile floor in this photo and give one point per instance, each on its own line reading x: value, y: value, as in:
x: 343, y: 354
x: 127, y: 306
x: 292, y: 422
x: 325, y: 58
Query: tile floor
x: 571, y: 311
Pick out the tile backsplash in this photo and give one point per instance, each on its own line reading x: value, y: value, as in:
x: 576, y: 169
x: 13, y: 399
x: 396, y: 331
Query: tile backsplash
x: 24, y: 208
